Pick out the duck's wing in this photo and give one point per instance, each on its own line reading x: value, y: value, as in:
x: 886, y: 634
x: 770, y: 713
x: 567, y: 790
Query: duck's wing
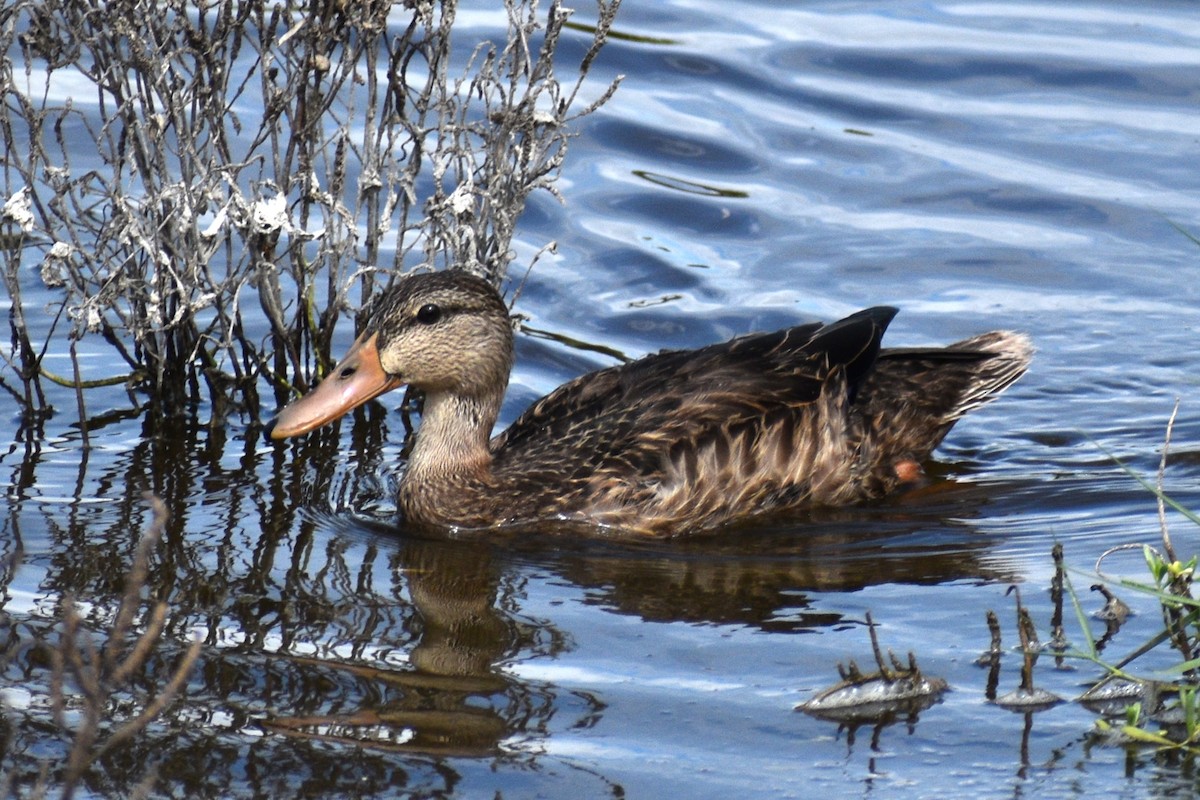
x: 630, y: 427
x: 785, y: 366
x: 655, y: 381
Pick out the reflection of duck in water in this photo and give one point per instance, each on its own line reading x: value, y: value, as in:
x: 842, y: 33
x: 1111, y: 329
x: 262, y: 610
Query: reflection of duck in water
x: 674, y: 442
x: 421, y: 677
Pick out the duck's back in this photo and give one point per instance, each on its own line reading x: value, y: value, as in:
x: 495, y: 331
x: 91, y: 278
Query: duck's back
x: 631, y: 445
x: 811, y: 415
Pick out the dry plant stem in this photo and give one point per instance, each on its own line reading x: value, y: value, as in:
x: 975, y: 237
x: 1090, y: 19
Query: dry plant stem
x: 1027, y: 634
x: 991, y: 658
x: 1174, y: 615
x: 82, y: 408
x: 143, y: 646
x: 93, y: 703
x: 1057, y: 635
x: 1028, y: 648
x: 1027, y: 630
x: 135, y: 581
x: 876, y: 651
x: 164, y: 698
x: 29, y: 362
x: 1159, y: 480
x: 993, y: 624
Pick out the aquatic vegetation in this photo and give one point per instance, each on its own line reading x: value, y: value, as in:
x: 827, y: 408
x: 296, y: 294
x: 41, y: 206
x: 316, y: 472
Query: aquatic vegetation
x: 234, y: 175
x: 881, y: 696
x: 1153, y: 709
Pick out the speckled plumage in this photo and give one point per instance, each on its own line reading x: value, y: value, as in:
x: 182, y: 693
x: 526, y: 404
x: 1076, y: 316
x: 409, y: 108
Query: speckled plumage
x: 675, y: 442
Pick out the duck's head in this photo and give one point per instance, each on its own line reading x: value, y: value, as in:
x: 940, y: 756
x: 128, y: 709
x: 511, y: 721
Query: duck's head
x: 446, y: 333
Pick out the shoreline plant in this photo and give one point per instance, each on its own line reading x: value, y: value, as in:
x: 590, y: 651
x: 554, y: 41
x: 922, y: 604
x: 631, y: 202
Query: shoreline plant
x: 207, y: 187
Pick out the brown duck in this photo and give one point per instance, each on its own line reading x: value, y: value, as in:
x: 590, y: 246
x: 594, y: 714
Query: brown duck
x: 676, y: 442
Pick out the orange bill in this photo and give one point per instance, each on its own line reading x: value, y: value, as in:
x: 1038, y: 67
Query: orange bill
x: 357, y: 378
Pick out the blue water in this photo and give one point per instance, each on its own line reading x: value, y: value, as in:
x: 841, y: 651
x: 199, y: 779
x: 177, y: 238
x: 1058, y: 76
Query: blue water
x: 979, y: 165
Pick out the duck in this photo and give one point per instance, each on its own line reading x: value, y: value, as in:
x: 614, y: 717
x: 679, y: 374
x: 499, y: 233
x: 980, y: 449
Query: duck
x: 673, y: 443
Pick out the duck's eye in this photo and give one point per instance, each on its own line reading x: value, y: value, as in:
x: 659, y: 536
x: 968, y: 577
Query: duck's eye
x: 429, y: 314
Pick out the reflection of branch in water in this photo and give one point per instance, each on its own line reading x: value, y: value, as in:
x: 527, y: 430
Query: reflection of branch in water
x: 331, y: 632
x: 101, y: 673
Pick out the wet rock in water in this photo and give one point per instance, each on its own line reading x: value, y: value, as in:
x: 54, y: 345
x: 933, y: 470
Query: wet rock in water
x: 1028, y: 699
x: 875, y: 696
x: 1114, y: 609
x: 1159, y: 700
x: 1114, y: 690
x: 894, y: 690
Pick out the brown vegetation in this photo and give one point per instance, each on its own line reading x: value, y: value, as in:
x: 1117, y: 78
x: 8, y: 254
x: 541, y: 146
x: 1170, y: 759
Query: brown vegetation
x: 258, y: 169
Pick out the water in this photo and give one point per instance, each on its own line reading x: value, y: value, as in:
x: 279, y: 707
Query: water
x: 978, y: 165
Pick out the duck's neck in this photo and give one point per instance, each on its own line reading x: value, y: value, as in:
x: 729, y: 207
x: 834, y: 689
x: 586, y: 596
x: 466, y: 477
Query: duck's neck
x: 452, y: 441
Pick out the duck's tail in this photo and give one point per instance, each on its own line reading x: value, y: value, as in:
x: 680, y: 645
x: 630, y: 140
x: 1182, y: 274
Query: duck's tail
x: 913, y: 396
x: 1009, y: 357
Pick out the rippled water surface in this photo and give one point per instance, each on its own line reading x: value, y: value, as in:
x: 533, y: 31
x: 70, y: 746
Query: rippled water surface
x: 979, y: 165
